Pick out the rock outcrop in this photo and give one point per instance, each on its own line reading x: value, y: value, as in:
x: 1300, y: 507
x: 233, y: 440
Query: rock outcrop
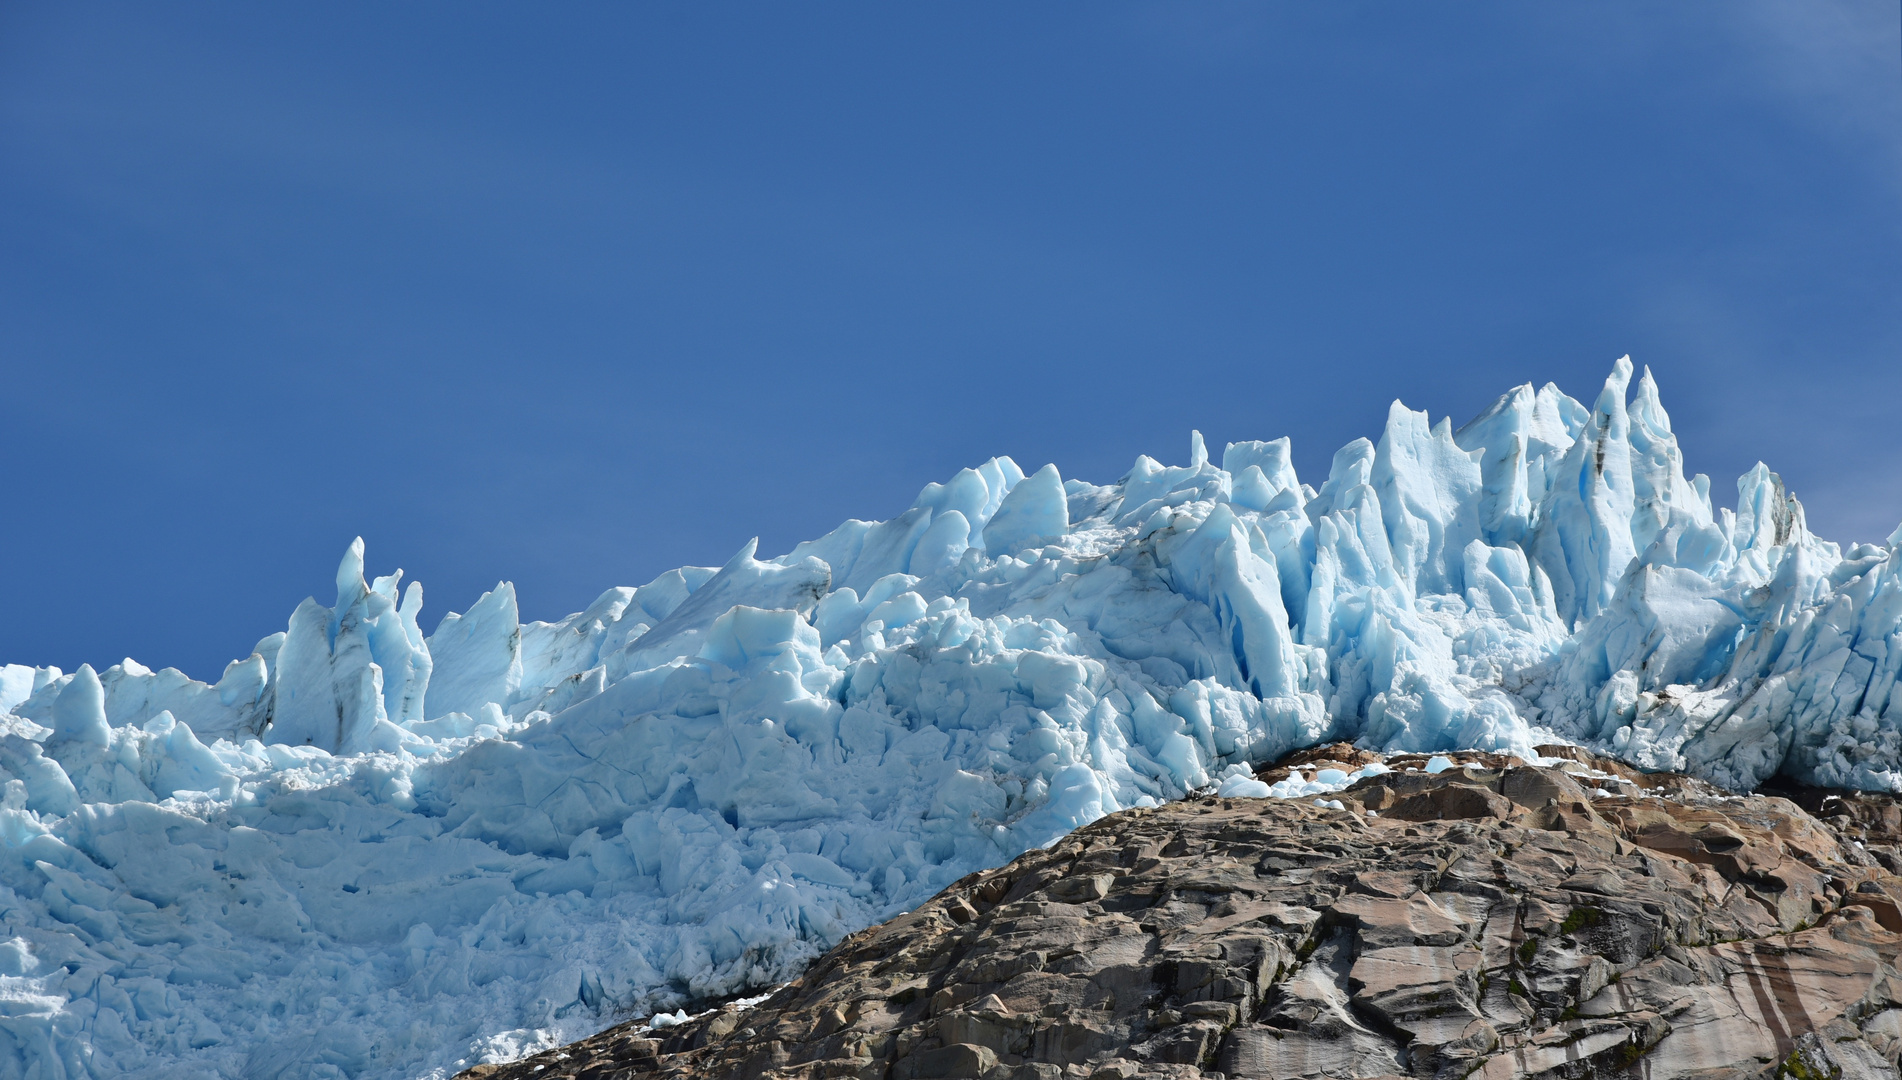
x: 1492, y: 919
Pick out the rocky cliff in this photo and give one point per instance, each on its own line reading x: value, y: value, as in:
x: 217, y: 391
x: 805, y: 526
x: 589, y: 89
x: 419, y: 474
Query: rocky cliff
x: 1493, y: 918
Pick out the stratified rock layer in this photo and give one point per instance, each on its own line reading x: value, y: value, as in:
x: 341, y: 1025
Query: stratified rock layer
x: 1493, y: 918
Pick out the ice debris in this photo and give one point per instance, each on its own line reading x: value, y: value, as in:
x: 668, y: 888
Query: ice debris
x: 1298, y: 785
x: 367, y: 853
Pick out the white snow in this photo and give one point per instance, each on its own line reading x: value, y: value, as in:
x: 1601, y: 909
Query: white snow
x: 363, y: 853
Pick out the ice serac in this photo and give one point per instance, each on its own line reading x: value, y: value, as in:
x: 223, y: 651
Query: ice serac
x: 1520, y: 441
x: 1429, y: 490
x: 798, y: 587
x: 16, y: 685
x: 1231, y: 569
x: 975, y: 493
x: 944, y: 541
x: 1583, y: 540
x: 393, y: 855
x: 1273, y: 461
x: 238, y: 704
x: 79, y: 713
x: 347, y: 675
x: 1661, y: 496
x: 1035, y: 513
x: 476, y: 656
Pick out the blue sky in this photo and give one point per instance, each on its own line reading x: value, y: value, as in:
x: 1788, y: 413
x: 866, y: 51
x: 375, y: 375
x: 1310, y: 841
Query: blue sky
x: 572, y: 294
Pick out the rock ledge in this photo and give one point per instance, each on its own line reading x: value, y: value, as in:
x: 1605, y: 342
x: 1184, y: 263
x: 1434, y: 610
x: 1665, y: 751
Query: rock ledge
x: 1495, y: 919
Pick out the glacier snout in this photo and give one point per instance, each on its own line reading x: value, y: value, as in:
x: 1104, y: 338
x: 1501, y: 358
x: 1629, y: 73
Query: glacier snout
x: 368, y: 852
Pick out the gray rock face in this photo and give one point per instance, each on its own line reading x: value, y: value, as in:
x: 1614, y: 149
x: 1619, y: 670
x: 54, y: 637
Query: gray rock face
x: 1495, y: 919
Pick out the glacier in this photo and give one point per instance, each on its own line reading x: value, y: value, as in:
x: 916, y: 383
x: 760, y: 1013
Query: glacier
x: 365, y: 852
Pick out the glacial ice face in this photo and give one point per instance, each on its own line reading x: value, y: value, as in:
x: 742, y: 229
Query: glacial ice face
x: 367, y: 853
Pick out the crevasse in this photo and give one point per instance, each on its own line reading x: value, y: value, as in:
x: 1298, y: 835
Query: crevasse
x: 367, y: 853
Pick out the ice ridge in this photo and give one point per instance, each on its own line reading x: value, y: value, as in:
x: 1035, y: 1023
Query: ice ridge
x: 368, y: 853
